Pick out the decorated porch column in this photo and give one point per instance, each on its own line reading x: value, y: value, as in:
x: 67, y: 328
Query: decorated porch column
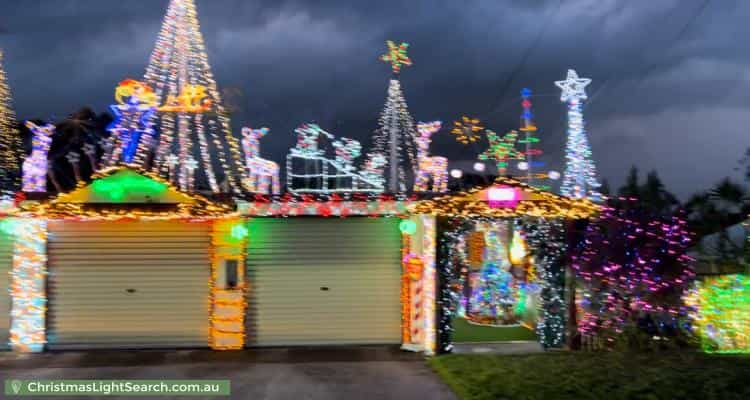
x: 28, y: 284
x: 418, y: 283
x: 227, y: 309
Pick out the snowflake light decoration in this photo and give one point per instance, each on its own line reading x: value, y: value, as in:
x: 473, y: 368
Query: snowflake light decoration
x: 467, y: 129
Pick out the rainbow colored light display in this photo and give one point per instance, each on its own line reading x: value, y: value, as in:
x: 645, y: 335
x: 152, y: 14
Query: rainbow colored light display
x: 721, y: 313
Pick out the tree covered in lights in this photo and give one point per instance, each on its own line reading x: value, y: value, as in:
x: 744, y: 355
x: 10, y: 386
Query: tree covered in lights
x: 493, y: 297
x: 396, y: 130
x: 191, y: 120
x: 10, y: 140
x: 579, y: 178
x: 633, y: 271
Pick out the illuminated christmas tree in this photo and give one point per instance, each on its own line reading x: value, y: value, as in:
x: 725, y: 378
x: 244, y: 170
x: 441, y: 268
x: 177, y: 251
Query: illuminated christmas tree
x: 579, y: 178
x: 10, y: 140
x: 493, y: 297
x: 396, y: 129
x: 191, y: 119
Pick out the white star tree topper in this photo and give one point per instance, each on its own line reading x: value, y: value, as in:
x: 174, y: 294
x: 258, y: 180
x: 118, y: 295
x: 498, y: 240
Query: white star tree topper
x: 573, y: 88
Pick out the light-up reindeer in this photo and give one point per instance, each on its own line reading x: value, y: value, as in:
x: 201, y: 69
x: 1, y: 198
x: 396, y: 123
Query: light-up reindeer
x: 429, y: 167
x: 35, y: 165
x: 262, y: 175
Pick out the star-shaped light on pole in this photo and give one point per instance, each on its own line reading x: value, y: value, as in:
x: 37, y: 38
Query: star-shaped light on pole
x: 573, y: 88
x: 396, y: 55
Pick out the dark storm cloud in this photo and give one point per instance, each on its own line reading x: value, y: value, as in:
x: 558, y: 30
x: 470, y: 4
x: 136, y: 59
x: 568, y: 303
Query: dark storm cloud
x: 669, y: 87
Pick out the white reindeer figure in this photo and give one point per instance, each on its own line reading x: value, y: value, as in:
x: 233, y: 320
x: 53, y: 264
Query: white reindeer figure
x: 263, y: 175
x: 429, y: 167
x: 35, y: 166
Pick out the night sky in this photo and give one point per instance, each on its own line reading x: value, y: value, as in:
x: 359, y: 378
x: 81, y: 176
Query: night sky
x: 670, y: 77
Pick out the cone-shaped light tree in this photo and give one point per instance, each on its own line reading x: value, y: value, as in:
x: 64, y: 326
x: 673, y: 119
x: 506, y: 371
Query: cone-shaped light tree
x: 191, y: 121
x: 394, y: 137
x: 579, y: 178
x: 10, y: 140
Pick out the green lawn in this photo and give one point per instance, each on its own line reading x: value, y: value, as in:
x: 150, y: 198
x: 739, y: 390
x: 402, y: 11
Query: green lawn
x: 610, y: 376
x: 466, y: 332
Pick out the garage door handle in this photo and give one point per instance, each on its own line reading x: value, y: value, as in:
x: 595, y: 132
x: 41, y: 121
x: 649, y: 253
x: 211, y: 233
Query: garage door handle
x: 324, y: 288
x: 130, y: 290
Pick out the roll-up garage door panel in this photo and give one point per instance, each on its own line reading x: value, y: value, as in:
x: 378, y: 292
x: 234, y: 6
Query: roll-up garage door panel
x: 6, y: 264
x: 291, y: 260
x: 139, y: 284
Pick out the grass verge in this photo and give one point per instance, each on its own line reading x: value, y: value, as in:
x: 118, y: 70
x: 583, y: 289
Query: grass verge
x: 610, y: 376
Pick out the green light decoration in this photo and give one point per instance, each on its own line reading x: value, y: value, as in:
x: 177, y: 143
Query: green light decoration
x: 721, y: 313
x: 117, y: 187
x: 239, y: 231
x: 502, y: 149
x: 8, y: 226
x: 408, y: 227
x: 397, y: 55
x: 520, y: 308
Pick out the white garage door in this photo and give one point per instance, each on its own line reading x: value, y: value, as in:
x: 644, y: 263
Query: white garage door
x: 6, y: 263
x: 128, y: 284
x: 323, y: 281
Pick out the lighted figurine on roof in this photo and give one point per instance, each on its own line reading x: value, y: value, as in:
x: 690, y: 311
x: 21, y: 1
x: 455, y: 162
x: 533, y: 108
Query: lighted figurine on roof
x: 192, y: 99
x: 310, y: 169
x: 132, y: 130
x: 429, y: 168
x: 36, y: 165
x: 262, y: 175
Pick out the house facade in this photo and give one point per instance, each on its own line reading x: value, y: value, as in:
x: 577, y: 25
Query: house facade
x: 128, y: 261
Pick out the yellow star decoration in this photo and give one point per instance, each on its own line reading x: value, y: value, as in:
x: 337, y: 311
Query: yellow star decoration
x: 396, y: 55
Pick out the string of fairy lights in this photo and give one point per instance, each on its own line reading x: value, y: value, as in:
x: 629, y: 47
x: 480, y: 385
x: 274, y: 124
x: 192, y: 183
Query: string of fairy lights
x: 10, y: 139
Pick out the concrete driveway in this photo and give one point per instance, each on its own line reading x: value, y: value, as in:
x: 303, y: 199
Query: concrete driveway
x: 359, y: 373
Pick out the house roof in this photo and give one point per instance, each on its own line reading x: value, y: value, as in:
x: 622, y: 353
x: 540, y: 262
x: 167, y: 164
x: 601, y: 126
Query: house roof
x: 732, y: 238
x: 123, y: 192
x: 507, y: 197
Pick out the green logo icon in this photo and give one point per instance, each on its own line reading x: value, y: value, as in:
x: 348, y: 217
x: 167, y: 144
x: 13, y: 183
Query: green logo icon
x: 15, y: 385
